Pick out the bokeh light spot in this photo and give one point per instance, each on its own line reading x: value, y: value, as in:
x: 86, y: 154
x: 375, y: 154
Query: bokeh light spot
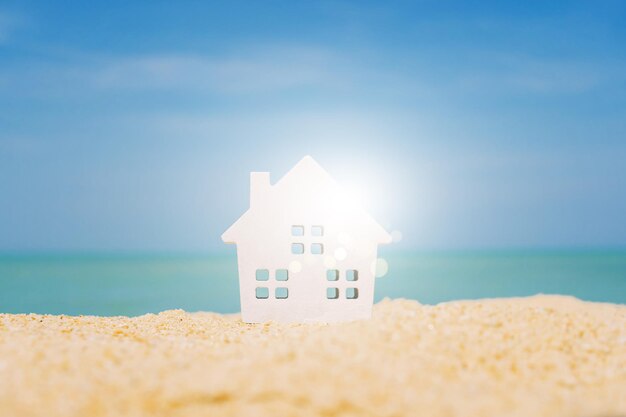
x: 380, y: 267
x: 396, y: 236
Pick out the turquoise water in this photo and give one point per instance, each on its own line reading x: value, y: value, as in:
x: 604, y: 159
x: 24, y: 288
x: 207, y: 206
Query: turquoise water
x: 138, y: 284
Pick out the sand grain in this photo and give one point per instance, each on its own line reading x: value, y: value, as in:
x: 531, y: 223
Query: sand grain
x: 537, y: 356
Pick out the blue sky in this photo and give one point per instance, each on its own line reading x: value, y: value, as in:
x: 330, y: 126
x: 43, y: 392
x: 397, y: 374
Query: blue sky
x: 460, y: 124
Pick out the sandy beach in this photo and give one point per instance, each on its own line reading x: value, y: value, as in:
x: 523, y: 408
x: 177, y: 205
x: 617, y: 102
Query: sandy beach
x: 537, y: 356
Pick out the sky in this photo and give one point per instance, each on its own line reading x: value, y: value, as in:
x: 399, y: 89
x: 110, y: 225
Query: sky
x: 133, y: 126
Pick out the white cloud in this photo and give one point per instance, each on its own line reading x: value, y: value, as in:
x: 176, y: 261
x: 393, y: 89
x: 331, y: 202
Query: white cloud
x: 8, y: 23
x: 19, y: 145
x: 280, y: 68
x: 4, y: 29
x: 525, y: 74
x: 264, y: 69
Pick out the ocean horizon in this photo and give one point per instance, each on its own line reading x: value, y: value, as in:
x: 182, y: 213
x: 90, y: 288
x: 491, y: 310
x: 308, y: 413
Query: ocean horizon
x: 132, y: 284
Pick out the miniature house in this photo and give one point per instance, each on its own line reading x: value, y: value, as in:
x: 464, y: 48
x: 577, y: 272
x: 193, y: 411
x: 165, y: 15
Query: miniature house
x: 306, y: 252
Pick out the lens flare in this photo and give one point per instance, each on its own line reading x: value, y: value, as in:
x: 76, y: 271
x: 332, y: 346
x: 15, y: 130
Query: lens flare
x: 380, y: 267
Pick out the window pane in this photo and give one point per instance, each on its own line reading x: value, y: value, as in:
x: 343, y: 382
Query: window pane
x: 262, y: 292
x: 332, y: 275
x: 352, y: 293
x: 262, y: 275
x: 297, y: 248
x: 352, y: 275
x: 297, y: 230
x: 332, y: 293
x: 317, y: 230
x: 282, y: 275
x: 282, y: 293
x: 317, y: 248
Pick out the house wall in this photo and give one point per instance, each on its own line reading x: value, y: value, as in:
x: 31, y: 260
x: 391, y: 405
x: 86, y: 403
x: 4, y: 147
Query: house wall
x: 306, y: 196
x: 307, y: 284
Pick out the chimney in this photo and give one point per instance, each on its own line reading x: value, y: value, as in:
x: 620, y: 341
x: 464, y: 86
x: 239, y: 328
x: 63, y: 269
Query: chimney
x: 259, y: 185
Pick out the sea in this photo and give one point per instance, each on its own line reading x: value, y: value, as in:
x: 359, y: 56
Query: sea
x: 135, y: 284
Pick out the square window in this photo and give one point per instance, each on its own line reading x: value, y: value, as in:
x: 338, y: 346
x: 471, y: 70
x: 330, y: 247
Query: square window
x: 332, y: 293
x: 262, y: 275
x: 352, y: 275
x: 297, y: 248
x: 317, y: 230
x: 352, y: 293
x: 297, y: 230
x: 282, y: 275
x: 332, y: 275
x: 317, y: 248
x: 282, y: 293
x: 262, y: 292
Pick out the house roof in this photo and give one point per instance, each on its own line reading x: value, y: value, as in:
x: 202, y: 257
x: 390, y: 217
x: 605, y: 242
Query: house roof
x: 307, y: 176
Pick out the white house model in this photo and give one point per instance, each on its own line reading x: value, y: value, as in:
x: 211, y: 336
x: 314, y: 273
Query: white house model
x: 306, y: 252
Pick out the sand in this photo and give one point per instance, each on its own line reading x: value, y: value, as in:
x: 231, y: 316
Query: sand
x: 537, y: 356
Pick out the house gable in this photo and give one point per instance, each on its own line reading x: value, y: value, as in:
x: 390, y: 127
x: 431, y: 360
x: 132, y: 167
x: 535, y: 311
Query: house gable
x: 307, y: 188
